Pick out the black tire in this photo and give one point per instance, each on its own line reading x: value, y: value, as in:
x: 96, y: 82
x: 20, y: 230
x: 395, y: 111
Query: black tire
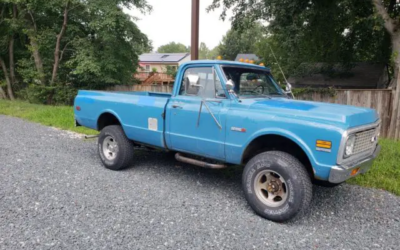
x: 296, y: 185
x: 124, y: 155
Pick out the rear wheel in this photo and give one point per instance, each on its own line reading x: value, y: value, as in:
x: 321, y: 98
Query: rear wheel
x: 277, y: 186
x: 115, y: 149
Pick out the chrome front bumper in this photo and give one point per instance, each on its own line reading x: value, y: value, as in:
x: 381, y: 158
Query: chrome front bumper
x: 339, y: 174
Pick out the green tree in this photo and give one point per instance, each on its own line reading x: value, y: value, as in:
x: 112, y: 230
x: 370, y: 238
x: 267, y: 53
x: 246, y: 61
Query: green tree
x: 389, y: 11
x: 171, y: 71
x: 214, y: 53
x: 60, y: 46
x: 337, y: 31
x: 173, y: 47
x: 206, y: 53
x: 238, y: 41
x: 9, y: 27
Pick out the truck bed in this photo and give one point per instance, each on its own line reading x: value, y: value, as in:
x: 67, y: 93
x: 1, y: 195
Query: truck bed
x: 140, y: 113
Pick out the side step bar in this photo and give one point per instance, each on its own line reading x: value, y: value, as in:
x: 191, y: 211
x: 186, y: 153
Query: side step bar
x: 202, y: 164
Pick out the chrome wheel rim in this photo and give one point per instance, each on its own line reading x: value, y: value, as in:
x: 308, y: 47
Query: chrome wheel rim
x: 110, y: 148
x: 270, y: 188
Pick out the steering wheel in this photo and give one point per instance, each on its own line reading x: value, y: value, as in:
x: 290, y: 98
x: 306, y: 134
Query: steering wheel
x: 255, y: 90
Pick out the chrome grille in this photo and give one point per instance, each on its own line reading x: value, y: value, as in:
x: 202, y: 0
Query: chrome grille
x: 364, y: 141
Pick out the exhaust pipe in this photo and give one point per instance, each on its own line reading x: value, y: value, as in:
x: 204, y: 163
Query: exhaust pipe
x: 91, y: 136
x: 202, y: 164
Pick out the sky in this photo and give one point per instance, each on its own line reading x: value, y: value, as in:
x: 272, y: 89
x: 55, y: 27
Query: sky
x: 170, y: 21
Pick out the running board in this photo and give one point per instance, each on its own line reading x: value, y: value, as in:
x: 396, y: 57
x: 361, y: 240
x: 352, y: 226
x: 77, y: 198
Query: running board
x: 202, y: 164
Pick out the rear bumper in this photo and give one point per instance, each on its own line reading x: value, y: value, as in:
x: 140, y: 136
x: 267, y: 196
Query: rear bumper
x: 340, y: 174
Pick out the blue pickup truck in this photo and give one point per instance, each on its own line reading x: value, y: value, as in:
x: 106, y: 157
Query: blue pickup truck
x: 223, y: 113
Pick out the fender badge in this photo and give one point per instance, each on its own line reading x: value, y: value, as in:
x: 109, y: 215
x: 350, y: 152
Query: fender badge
x: 323, y: 149
x: 238, y: 129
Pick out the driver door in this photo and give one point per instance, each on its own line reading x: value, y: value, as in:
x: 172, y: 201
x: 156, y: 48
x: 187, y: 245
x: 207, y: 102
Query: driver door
x: 191, y: 130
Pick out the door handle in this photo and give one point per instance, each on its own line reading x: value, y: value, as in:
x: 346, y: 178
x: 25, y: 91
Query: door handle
x: 176, y: 106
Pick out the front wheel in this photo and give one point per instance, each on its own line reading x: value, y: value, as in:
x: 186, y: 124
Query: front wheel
x: 277, y: 186
x: 115, y: 149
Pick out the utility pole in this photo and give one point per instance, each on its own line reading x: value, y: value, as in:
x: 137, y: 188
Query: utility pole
x: 195, y: 29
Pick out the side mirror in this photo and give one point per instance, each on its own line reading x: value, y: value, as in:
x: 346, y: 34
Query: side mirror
x: 192, y: 84
x: 230, y: 85
x: 288, y: 87
x: 193, y: 80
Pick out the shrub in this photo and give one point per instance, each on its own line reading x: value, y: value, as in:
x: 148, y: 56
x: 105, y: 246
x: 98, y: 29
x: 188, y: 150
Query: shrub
x: 41, y: 94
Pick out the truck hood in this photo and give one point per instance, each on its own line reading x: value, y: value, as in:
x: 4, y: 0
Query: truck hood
x: 335, y: 114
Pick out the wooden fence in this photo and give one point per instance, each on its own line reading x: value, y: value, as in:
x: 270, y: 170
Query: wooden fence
x: 379, y: 99
x: 382, y: 100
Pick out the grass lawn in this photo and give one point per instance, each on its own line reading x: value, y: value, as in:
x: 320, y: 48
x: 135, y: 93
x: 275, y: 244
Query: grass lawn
x: 385, y: 174
x: 56, y: 116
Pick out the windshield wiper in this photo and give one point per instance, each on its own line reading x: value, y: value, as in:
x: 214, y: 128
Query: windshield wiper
x: 265, y: 95
x: 276, y: 94
x: 255, y: 96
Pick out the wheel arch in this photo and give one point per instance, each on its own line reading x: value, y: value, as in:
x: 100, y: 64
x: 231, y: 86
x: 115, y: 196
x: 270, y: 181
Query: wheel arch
x: 282, y: 141
x: 107, y: 118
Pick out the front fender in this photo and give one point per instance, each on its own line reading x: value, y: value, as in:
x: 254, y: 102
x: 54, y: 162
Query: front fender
x: 321, y: 169
x: 284, y: 133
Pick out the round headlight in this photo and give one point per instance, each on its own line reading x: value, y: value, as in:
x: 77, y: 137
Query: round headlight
x: 349, y: 145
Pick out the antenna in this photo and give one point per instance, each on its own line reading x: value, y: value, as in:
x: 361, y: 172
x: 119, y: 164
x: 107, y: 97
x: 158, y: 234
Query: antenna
x: 284, y: 77
x: 283, y: 74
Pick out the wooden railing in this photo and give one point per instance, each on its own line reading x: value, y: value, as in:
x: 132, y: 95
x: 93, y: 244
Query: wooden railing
x: 147, y: 78
x: 141, y: 76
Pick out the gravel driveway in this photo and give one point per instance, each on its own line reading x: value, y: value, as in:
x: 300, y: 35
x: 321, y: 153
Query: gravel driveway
x: 55, y: 194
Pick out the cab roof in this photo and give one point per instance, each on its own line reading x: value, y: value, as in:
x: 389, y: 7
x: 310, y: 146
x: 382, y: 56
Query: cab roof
x: 229, y: 63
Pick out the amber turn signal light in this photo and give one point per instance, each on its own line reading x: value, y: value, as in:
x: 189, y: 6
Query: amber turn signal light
x: 324, y: 144
x: 355, y: 171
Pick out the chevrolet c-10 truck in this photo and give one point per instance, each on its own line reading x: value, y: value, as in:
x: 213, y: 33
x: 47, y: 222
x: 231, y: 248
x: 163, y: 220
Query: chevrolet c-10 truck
x: 223, y: 113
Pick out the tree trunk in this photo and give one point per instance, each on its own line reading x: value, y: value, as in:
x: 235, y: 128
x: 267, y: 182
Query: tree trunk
x: 12, y: 70
x: 57, y: 49
x: 12, y: 64
x: 394, y: 127
x: 35, y: 47
x: 37, y: 59
x: 396, y: 52
x: 393, y: 29
x: 2, y: 94
x: 9, y: 89
x: 11, y: 51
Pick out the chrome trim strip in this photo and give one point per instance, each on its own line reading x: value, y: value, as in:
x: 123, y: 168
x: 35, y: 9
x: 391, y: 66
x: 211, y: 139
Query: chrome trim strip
x: 340, y: 160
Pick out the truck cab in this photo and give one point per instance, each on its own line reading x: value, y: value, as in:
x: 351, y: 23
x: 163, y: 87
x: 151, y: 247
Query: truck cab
x: 223, y: 113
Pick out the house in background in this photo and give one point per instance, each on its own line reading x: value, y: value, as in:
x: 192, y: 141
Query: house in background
x: 153, y: 67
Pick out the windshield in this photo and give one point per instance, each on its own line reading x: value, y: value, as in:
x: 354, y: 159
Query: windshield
x: 252, y: 83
